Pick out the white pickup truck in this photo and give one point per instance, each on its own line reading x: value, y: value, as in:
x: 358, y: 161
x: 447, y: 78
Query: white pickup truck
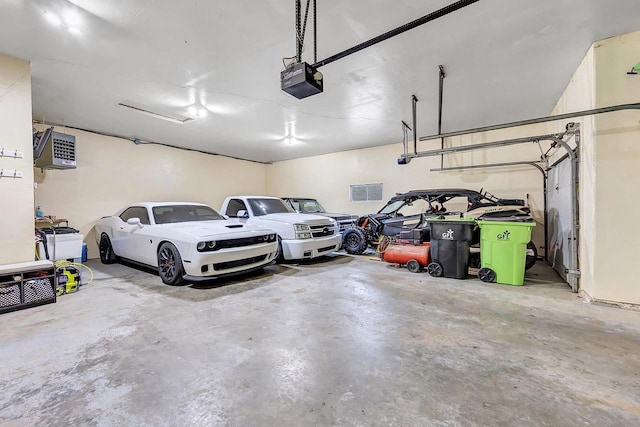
x: 300, y: 236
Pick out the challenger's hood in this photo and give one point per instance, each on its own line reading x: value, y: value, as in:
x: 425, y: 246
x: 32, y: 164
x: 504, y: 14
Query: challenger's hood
x: 297, y: 218
x: 216, y: 229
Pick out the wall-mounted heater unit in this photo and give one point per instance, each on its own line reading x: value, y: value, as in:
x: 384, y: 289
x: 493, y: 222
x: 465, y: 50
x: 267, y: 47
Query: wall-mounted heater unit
x: 54, y: 150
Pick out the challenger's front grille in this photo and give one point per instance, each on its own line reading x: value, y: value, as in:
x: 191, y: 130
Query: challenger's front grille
x: 238, y: 263
x: 322, y: 230
x: 236, y: 243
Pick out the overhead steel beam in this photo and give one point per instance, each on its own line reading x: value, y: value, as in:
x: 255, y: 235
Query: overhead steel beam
x: 406, y: 27
x: 635, y: 106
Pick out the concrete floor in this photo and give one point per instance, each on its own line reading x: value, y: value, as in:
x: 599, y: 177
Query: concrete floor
x: 341, y: 341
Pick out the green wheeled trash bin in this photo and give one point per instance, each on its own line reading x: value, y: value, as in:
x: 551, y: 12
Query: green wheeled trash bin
x: 450, y: 240
x: 503, y: 251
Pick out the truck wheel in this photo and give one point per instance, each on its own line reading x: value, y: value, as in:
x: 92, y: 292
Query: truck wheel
x: 354, y: 241
x: 414, y: 266
x: 532, y: 255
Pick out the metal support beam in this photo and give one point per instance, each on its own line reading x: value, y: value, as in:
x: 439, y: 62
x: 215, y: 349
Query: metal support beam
x: 406, y: 27
x: 603, y: 110
x: 472, y: 147
x: 414, y: 102
x: 440, y: 99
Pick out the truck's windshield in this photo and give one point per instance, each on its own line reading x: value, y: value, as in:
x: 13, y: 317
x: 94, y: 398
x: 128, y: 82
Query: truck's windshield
x: 307, y: 206
x: 261, y: 207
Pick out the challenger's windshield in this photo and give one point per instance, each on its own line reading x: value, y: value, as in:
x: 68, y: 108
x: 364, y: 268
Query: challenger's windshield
x: 184, y: 213
x: 261, y: 207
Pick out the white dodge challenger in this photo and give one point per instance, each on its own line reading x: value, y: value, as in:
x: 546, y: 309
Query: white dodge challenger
x: 185, y: 241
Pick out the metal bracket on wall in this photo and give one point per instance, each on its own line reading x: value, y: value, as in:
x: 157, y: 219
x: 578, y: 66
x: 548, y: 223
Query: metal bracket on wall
x: 16, y: 154
x: 6, y: 173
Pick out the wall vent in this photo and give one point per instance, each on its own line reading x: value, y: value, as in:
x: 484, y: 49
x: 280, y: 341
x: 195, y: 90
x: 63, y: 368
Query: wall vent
x: 365, y: 193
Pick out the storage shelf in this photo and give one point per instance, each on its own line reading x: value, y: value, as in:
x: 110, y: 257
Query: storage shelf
x: 26, y: 285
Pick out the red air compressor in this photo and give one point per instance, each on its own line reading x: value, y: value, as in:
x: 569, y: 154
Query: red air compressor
x: 415, y: 257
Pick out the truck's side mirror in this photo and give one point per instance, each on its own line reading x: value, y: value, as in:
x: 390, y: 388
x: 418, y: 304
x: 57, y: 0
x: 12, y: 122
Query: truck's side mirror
x: 242, y: 213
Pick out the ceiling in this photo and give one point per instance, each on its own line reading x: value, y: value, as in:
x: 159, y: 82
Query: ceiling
x: 505, y: 61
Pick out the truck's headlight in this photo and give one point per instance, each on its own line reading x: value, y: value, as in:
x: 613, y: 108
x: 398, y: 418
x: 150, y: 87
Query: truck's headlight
x: 303, y: 231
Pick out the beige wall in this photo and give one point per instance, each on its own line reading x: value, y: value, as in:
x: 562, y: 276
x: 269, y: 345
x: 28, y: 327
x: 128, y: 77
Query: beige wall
x: 16, y: 203
x: 335, y: 172
x: 114, y: 172
x: 618, y: 171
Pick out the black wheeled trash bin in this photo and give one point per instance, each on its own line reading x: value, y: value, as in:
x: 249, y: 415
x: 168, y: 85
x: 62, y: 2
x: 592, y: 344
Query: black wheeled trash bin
x: 450, y: 240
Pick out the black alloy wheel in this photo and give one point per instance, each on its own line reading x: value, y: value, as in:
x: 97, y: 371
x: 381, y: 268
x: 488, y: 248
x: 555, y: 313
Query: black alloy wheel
x: 107, y: 256
x: 170, y: 264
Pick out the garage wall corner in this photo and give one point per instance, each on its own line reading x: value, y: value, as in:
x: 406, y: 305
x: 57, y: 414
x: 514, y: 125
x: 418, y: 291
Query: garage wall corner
x: 16, y: 208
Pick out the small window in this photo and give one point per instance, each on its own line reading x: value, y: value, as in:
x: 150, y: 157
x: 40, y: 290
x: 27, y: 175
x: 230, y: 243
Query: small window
x: 234, y: 206
x: 136, y: 212
x: 365, y: 193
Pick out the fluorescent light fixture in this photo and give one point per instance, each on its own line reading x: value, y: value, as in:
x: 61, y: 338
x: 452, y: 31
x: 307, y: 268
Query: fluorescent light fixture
x: 158, y: 113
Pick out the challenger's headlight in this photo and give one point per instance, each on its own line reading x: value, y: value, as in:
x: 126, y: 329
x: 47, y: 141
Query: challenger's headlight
x: 206, y: 246
x: 269, y: 238
x: 303, y: 231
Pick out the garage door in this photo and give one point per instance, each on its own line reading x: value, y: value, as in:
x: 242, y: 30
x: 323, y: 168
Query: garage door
x: 559, y: 216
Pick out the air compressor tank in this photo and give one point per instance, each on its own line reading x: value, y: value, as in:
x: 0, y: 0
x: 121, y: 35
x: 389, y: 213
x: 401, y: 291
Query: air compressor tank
x: 415, y: 257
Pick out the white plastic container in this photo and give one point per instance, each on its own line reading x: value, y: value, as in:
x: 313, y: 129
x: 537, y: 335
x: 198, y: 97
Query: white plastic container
x: 68, y: 246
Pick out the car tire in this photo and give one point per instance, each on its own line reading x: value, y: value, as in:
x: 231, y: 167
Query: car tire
x: 107, y: 256
x: 354, y: 241
x: 531, y: 259
x: 279, y: 253
x: 170, y: 266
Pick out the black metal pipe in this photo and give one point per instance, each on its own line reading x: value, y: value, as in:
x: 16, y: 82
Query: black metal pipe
x: 298, y: 41
x: 315, y: 32
x: 635, y: 106
x: 406, y: 27
x: 440, y: 98
x: 414, y: 101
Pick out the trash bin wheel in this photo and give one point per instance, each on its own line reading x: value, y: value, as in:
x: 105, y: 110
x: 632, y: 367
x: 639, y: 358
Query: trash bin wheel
x: 487, y: 275
x: 435, y: 269
x: 414, y: 266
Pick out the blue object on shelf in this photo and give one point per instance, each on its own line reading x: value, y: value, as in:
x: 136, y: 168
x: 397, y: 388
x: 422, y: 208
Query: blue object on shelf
x: 84, y: 252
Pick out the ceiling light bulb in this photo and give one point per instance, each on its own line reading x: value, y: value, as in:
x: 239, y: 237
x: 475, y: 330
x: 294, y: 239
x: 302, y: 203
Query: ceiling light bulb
x: 202, y: 112
x: 72, y: 18
x: 74, y: 30
x: 193, y: 111
x: 54, y: 19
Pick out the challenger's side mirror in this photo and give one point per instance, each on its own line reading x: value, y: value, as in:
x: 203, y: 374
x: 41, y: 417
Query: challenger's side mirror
x: 135, y: 221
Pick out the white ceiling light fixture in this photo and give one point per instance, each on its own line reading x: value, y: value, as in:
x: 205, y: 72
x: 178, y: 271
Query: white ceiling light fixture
x: 195, y: 111
x: 53, y: 18
x: 158, y: 113
x: 70, y: 20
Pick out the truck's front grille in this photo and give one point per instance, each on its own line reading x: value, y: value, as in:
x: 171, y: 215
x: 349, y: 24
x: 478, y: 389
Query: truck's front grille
x: 322, y: 230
